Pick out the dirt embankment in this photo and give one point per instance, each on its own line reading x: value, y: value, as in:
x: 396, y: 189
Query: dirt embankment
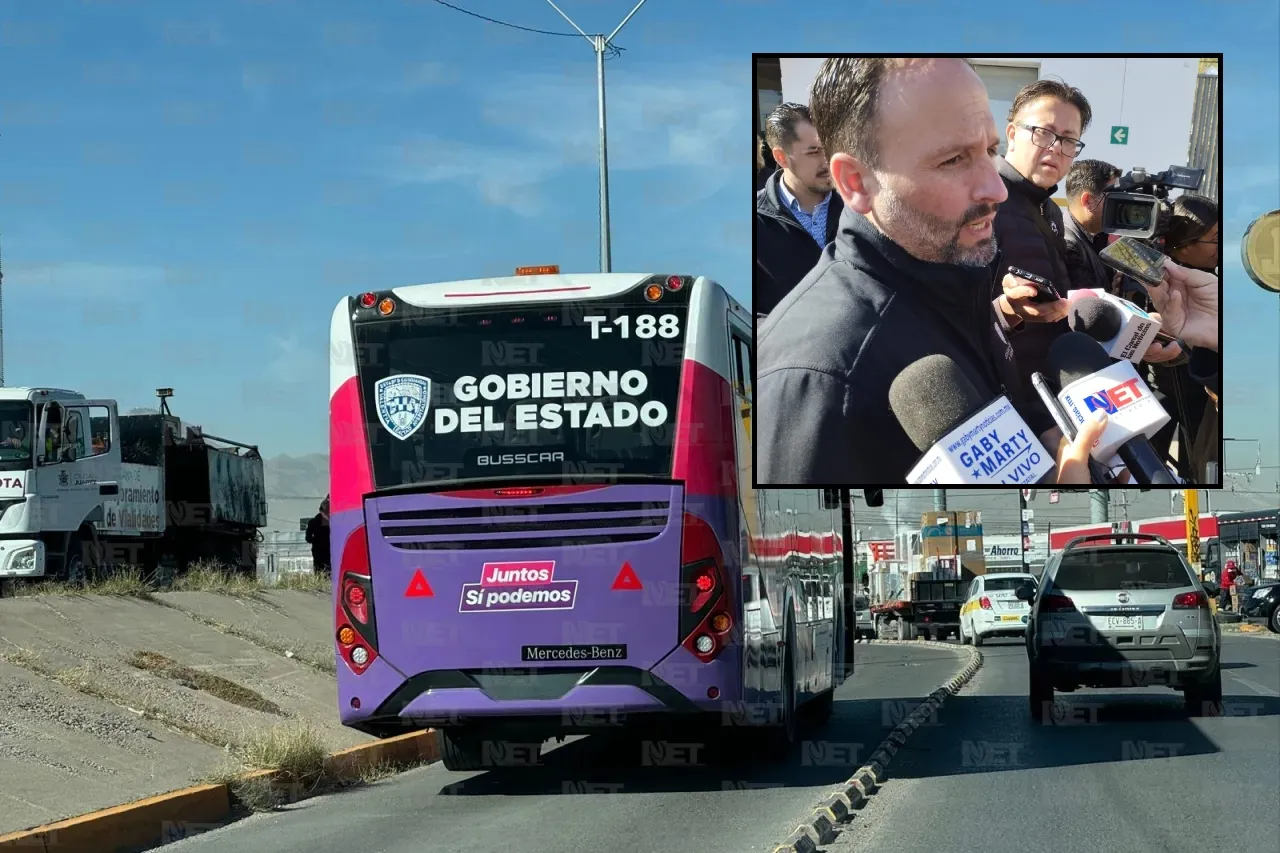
x: 112, y: 698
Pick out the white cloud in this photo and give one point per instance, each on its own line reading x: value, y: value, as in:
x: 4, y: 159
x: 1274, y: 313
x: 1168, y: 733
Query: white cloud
x: 84, y: 279
x: 502, y: 177
x: 686, y: 120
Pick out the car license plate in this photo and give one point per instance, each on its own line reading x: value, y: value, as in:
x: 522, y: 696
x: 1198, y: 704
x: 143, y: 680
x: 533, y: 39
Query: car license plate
x: 1011, y: 618
x: 1124, y: 623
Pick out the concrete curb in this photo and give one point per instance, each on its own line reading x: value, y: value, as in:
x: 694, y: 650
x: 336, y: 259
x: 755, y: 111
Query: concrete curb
x: 819, y: 829
x: 170, y: 816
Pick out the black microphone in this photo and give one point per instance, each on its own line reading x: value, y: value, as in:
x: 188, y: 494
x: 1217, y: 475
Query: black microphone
x: 965, y: 439
x: 1115, y: 387
x: 1105, y: 321
x: 1096, y: 318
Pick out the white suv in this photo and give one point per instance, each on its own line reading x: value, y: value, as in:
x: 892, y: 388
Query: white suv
x: 1122, y: 610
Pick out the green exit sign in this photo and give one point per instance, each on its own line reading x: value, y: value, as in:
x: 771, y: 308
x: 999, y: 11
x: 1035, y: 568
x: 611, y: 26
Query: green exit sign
x: 1119, y: 135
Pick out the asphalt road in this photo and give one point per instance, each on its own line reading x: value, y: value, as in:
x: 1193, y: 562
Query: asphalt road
x: 1124, y: 770
x: 594, y: 794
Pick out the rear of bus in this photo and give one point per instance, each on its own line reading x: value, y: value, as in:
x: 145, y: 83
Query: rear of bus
x: 533, y: 510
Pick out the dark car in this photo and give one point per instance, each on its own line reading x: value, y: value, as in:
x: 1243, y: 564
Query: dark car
x: 1263, y: 602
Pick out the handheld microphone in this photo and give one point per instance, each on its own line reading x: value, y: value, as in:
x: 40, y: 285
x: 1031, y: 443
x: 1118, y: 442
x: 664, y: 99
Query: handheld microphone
x: 964, y: 439
x: 1088, y: 381
x: 1098, y: 473
x: 1124, y: 330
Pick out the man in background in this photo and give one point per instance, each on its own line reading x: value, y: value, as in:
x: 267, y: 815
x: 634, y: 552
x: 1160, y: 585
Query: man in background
x: 796, y: 212
x: 1087, y: 183
x: 318, y: 538
x: 1043, y: 132
x: 765, y: 166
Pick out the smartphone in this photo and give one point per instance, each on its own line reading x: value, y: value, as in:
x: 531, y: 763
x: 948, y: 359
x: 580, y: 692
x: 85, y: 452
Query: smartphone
x: 1136, y: 259
x: 1044, y: 290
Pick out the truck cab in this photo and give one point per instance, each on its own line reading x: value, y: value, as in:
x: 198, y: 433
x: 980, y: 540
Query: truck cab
x: 59, y: 457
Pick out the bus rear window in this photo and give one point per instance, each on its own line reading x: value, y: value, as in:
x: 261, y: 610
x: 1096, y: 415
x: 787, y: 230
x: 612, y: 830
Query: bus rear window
x: 572, y: 390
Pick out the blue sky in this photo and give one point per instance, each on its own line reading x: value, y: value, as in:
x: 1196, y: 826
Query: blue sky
x: 188, y: 189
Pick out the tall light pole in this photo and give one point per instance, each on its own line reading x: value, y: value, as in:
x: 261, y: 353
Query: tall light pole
x: 599, y: 44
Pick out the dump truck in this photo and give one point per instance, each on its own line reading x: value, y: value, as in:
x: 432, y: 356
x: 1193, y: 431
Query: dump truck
x: 84, y: 489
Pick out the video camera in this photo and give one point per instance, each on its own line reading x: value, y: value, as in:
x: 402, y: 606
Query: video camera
x: 1138, y: 205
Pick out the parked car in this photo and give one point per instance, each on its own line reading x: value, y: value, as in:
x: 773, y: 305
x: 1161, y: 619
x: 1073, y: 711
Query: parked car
x: 1263, y: 601
x: 1122, y: 610
x: 866, y: 626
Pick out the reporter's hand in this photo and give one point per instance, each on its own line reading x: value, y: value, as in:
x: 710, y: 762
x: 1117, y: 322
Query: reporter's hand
x: 1159, y: 353
x: 1187, y: 300
x: 1073, y: 457
x: 1017, y: 301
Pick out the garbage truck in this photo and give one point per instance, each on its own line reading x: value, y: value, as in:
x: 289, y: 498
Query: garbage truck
x: 84, y: 489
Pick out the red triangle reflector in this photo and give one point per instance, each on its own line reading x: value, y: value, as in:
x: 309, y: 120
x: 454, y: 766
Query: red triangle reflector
x: 418, y: 587
x: 627, y: 579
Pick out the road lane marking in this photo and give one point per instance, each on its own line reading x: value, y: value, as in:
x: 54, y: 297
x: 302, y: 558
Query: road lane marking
x: 1254, y: 686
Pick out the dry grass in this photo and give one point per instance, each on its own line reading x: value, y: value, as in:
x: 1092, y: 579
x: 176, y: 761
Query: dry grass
x: 125, y: 582
x: 204, y: 576
x: 214, y: 685
x: 305, y: 582
x: 295, y: 754
x: 213, y: 577
x: 382, y: 770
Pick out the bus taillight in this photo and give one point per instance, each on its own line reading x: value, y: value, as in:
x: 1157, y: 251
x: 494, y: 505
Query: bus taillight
x: 705, y: 606
x: 357, y: 628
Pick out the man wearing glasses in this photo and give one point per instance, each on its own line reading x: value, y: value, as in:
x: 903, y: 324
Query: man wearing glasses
x: 1045, y: 124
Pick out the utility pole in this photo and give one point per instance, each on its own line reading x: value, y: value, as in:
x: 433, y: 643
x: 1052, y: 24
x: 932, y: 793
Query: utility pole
x: 600, y: 44
x: 939, y: 500
x: 1024, y: 531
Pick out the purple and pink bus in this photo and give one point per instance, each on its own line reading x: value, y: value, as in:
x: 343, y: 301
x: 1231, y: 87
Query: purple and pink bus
x: 543, y: 519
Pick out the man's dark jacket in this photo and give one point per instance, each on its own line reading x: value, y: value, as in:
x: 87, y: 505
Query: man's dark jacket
x: 828, y: 353
x: 785, y: 251
x: 1030, y: 234
x: 1084, y: 267
x: 318, y: 537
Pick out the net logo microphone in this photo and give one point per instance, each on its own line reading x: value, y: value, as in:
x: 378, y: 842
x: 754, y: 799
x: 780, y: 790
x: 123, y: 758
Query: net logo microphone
x: 1092, y: 382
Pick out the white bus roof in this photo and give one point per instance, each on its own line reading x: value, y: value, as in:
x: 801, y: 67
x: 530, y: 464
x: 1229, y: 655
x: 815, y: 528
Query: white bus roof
x: 524, y: 288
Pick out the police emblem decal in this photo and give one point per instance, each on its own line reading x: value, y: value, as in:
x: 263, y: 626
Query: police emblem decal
x: 402, y: 402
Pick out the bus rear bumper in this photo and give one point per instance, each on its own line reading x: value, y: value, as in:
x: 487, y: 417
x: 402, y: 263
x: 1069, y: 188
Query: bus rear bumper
x: 562, y: 700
